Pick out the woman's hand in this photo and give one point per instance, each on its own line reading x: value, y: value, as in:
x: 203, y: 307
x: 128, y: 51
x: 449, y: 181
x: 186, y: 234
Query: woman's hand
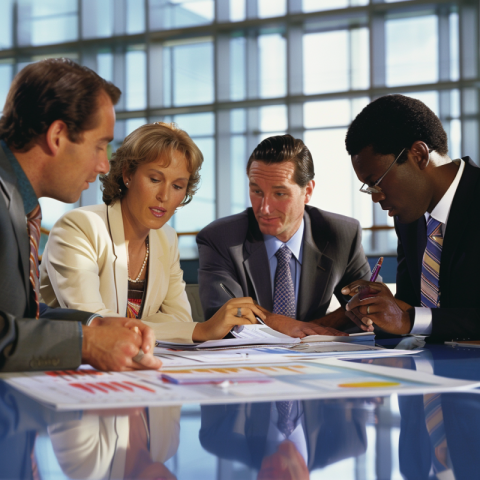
x: 226, y: 318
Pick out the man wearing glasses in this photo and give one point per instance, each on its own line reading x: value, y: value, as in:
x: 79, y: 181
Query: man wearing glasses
x: 399, y: 150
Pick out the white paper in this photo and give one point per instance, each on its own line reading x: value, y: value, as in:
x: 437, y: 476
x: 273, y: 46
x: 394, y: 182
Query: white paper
x: 321, y: 378
x: 363, y: 337
x: 248, y: 335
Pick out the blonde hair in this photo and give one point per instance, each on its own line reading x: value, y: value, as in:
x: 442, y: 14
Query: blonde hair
x: 144, y: 145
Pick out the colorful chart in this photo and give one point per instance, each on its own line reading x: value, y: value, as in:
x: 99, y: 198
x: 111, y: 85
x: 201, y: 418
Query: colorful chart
x: 369, y: 384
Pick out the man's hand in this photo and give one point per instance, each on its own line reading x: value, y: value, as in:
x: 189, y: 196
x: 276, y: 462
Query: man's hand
x: 226, y: 318
x: 285, y: 464
x: 339, y: 319
x: 148, y: 335
x: 111, y: 343
x: 295, y: 328
x: 380, y: 308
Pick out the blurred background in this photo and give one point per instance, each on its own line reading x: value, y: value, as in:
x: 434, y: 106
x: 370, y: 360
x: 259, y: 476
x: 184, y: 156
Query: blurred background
x: 232, y: 72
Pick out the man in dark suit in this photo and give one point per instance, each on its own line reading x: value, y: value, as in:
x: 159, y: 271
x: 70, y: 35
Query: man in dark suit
x: 57, y: 122
x: 399, y: 149
x: 321, y: 432
x: 324, y: 249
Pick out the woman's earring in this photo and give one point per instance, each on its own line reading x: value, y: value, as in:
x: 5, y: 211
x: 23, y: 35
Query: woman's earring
x: 126, y: 184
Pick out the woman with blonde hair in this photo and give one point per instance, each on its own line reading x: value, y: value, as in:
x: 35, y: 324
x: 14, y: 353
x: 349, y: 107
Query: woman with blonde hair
x: 121, y: 258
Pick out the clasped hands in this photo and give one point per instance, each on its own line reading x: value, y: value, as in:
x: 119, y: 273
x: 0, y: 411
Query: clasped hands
x: 373, y: 303
x: 112, y: 343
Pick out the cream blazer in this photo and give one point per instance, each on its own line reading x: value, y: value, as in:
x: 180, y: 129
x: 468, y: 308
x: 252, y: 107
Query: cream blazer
x: 95, y: 447
x: 84, y: 267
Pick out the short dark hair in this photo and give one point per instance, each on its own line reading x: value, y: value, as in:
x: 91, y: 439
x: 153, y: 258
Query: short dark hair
x: 285, y: 148
x: 394, y: 122
x: 50, y: 90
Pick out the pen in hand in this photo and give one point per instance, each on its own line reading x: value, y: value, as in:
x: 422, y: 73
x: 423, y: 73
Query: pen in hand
x: 231, y: 295
x: 366, y: 292
x: 376, y: 269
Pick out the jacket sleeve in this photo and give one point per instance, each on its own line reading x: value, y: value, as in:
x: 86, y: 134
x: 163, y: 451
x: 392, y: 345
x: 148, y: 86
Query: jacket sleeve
x: 357, y: 265
x: 215, y: 267
x: 29, y: 344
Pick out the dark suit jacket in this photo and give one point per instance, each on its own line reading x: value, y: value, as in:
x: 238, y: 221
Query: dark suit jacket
x: 232, y: 251
x: 239, y: 431
x: 21, y: 418
x: 26, y: 343
x: 459, y: 315
x: 461, y: 421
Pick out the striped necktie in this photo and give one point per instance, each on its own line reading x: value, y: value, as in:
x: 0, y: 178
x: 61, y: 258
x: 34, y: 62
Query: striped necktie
x: 33, y: 224
x: 436, y: 429
x: 431, y: 298
x: 430, y: 294
x: 284, y: 295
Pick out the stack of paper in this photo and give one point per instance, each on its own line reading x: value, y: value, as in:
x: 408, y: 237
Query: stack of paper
x: 364, y: 338
x: 264, y: 335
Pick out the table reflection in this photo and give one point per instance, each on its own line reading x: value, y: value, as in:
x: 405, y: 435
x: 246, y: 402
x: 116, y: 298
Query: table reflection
x: 113, y: 444
x: 322, y: 432
x: 118, y: 444
x: 414, y: 437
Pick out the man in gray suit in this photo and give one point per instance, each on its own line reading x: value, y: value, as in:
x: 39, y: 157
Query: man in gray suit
x: 57, y: 122
x: 241, y: 250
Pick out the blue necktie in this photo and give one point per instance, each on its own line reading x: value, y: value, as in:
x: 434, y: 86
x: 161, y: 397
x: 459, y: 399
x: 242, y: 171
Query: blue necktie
x: 285, y: 422
x: 430, y: 294
x: 284, y: 295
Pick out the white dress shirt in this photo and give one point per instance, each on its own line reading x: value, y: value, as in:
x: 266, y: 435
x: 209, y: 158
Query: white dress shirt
x: 423, y: 315
x: 297, y: 437
x: 295, y: 244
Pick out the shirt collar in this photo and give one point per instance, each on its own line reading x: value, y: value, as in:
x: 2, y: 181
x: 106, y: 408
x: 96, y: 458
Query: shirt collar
x: 25, y: 188
x: 295, y: 244
x: 442, y: 209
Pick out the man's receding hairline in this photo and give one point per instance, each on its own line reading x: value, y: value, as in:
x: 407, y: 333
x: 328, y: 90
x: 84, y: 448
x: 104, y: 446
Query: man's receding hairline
x: 271, y: 162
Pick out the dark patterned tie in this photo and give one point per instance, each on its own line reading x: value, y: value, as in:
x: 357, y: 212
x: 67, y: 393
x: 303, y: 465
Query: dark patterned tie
x: 285, y: 422
x: 284, y: 295
x: 431, y: 265
x: 33, y: 224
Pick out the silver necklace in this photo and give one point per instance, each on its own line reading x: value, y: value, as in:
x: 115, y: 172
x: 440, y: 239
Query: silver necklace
x: 137, y: 280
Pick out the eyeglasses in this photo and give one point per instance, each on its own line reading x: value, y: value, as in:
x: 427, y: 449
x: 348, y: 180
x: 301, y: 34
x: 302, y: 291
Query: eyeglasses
x: 374, y: 189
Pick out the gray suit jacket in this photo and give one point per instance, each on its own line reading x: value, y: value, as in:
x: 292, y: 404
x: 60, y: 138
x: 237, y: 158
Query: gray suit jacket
x: 26, y: 343
x: 334, y: 430
x: 232, y: 251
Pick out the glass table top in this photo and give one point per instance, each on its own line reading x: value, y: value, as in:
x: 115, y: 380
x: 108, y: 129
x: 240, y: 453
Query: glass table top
x: 389, y: 437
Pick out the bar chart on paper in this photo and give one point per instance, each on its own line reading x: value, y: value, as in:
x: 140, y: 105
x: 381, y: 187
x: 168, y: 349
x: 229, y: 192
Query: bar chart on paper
x: 321, y: 378
x: 88, y: 388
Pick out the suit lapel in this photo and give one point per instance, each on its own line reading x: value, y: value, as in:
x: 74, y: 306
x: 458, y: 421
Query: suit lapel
x: 115, y: 223
x: 417, y: 232
x: 316, y: 269
x: 256, y: 264
x: 256, y: 429
x: 17, y: 216
x: 156, y: 276
x: 313, y: 416
x: 461, y: 213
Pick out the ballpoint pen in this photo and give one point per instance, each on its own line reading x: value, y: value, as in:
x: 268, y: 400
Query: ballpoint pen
x: 366, y: 292
x: 231, y: 295
x: 376, y: 269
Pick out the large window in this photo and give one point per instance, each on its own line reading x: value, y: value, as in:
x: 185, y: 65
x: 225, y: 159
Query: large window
x: 232, y: 72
